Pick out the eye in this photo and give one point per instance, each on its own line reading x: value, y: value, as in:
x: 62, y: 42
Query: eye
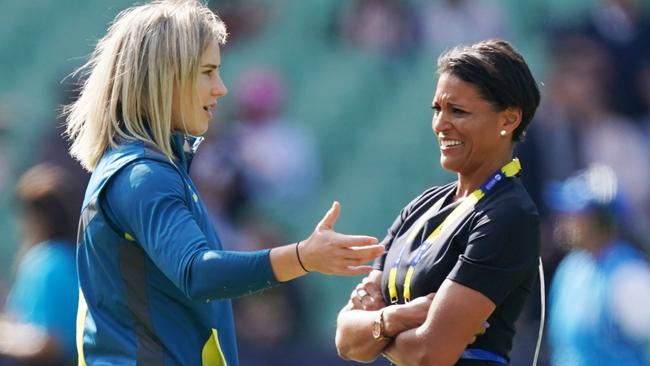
x: 208, y: 72
x: 458, y: 111
x: 436, y: 109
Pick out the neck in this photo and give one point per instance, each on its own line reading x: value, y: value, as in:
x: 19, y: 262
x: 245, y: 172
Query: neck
x: 469, y: 182
x: 597, y: 241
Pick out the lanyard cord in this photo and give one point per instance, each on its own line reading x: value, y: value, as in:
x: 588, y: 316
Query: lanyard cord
x: 467, y: 205
x: 542, y: 315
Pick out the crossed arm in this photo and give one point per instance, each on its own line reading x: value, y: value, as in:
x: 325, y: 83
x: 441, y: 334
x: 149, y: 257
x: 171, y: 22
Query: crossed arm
x: 431, y: 330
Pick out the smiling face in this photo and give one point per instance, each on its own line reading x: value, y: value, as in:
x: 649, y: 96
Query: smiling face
x: 209, y: 87
x: 469, y: 128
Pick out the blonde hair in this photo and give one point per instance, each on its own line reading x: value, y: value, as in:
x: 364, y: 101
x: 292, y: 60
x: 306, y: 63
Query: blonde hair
x: 130, y: 77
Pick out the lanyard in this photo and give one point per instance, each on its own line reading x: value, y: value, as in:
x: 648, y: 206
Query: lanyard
x: 467, y: 204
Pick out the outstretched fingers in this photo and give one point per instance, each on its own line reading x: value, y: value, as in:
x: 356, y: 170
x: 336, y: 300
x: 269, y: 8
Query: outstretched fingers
x: 363, y: 253
x: 355, y: 270
x: 328, y: 221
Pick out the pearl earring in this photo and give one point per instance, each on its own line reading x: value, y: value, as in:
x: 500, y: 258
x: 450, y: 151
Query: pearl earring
x: 503, y: 132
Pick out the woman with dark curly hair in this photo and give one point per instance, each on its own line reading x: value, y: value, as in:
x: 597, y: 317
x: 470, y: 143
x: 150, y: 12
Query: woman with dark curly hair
x: 461, y: 258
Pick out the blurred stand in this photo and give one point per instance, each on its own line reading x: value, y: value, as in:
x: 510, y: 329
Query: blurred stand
x: 598, y: 306
x: 386, y: 27
x: 245, y: 19
x: 578, y: 126
x: 38, y: 327
x: 624, y: 31
x: 445, y: 22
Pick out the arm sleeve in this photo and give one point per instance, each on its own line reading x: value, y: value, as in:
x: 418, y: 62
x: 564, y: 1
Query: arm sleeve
x: 147, y: 200
x: 501, y: 253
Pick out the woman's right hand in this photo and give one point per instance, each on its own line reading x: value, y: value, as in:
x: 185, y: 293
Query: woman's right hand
x: 329, y: 252
x: 367, y: 295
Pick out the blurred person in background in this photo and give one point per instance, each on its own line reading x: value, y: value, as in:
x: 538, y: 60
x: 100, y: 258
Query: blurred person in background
x: 446, y: 22
x: 465, y: 253
x: 38, y: 326
x: 579, y: 120
x: 279, y: 161
x: 258, y: 164
x: 622, y: 28
x: 261, y: 160
x: 155, y: 281
x: 246, y: 19
x: 599, y: 299
x: 386, y: 27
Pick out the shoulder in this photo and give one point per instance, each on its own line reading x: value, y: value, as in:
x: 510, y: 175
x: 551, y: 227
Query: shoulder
x: 142, y: 184
x: 621, y: 255
x: 575, y: 260
x: 510, y: 203
x: 429, y: 196
x: 146, y: 175
x: 47, y: 255
x: 116, y: 159
x: 47, y: 264
x: 506, y: 223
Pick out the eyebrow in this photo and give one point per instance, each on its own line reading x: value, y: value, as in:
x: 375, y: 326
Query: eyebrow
x: 211, y: 66
x: 452, y: 104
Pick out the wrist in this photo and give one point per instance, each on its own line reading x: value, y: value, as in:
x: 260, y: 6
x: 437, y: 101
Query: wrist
x: 379, y: 331
x: 389, y: 321
x: 300, y: 260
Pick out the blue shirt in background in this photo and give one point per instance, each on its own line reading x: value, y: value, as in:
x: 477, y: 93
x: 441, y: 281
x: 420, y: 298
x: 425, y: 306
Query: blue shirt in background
x: 584, y: 327
x: 45, y: 291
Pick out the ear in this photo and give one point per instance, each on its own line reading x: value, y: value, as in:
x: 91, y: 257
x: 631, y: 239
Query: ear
x: 510, y: 119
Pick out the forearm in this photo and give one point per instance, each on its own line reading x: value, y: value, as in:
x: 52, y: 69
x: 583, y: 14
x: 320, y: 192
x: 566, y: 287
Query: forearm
x: 354, y: 340
x: 410, y: 348
x: 455, y: 317
x: 215, y: 274
x: 285, y: 263
x: 27, y: 343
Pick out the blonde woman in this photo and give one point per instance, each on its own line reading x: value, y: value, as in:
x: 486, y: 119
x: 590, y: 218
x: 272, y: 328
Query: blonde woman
x: 154, y: 279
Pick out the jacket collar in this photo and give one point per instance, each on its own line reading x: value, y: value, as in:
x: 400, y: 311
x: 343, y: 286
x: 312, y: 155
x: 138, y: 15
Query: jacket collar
x: 184, y: 147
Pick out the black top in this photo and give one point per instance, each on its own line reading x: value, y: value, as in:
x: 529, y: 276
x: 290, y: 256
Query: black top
x: 494, y: 250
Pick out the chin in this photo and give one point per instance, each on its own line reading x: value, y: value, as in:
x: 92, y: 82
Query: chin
x: 449, y: 165
x: 197, y: 130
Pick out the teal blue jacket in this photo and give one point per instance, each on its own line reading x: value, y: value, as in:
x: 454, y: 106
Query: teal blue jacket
x: 154, y: 280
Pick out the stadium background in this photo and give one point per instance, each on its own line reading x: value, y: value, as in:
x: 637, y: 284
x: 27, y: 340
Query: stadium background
x: 356, y: 86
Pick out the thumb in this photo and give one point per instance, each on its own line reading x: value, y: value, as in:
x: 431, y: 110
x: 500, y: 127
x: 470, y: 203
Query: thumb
x: 328, y: 221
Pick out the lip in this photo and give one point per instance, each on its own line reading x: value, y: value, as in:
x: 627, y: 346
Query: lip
x: 208, y: 109
x: 443, y: 142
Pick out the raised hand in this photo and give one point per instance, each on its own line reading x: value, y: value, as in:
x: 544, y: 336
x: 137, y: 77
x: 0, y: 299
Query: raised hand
x: 329, y: 252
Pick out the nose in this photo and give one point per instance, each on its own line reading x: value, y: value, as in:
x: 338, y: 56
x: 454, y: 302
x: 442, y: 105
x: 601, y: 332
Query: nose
x: 219, y: 89
x: 439, y: 122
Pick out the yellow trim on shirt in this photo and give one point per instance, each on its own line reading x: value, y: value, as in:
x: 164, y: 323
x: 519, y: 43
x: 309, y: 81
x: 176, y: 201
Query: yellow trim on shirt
x: 212, y: 354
